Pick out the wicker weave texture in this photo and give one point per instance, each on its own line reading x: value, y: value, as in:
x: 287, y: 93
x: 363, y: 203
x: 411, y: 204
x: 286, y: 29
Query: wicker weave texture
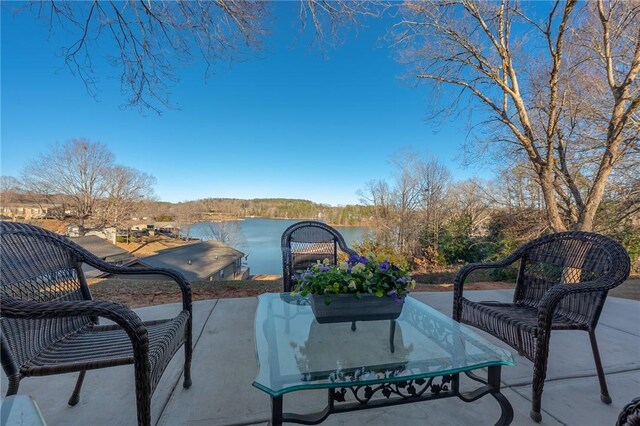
x: 306, y: 242
x: 562, y: 284
x: 50, y: 321
x: 630, y: 415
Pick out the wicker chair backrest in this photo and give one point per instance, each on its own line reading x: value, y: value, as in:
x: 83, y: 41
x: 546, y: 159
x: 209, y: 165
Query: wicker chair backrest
x: 36, y: 265
x: 309, y: 245
x: 305, y: 243
x: 569, y: 258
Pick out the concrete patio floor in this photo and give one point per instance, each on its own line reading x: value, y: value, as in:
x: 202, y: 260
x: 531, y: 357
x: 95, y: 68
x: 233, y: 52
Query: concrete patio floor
x: 224, y: 366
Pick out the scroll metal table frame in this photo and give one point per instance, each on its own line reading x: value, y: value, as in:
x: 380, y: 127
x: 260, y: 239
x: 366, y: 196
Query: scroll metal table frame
x: 396, y: 390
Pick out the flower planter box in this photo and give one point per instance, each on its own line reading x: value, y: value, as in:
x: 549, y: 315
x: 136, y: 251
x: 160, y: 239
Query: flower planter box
x: 348, y: 308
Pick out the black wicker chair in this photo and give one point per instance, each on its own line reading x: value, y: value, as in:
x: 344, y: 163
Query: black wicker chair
x: 562, y: 284
x: 630, y: 415
x: 304, y: 243
x: 50, y: 321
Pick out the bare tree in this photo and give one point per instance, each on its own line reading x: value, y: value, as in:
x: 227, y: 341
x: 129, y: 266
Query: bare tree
x: 377, y: 194
x: 407, y: 199
x: 83, y: 174
x: 435, y: 180
x: 570, y: 109
x: 411, y: 204
x: 125, y: 188
x: 227, y: 232
x: 11, y: 190
x: 147, y: 42
x: 331, y: 16
x: 186, y: 214
x: 469, y: 199
x: 516, y: 187
x: 151, y: 39
x: 76, y: 170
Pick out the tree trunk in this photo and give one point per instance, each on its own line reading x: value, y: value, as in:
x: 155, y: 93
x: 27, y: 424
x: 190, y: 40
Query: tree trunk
x: 553, y: 215
x: 585, y: 222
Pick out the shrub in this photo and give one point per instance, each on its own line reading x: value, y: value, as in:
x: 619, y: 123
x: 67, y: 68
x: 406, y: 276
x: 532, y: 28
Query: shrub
x: 372, y: 248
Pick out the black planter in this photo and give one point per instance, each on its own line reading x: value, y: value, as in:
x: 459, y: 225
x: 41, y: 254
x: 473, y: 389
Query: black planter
x: 348, y: 308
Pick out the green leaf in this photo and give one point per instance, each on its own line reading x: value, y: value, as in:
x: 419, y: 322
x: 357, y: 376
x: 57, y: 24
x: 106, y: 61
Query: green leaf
x: 358, y: 295
x: 327, y: 299
x: 379, y: 293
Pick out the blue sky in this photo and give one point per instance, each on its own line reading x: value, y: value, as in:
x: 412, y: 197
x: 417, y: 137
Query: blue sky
x: 287, y: 122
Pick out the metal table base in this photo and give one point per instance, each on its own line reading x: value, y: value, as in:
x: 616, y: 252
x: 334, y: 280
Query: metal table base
x: 400, y: 392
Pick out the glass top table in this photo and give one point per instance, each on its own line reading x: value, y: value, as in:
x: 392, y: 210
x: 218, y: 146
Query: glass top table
x: 417, y: 357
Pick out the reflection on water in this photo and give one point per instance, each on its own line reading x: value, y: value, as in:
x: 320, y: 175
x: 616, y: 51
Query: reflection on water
x: 263, y: 241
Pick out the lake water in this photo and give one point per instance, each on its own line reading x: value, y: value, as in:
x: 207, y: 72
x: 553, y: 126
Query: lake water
x: 263, y: 241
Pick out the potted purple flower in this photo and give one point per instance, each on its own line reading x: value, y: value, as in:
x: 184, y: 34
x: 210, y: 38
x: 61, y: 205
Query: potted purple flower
x: 360, y: 289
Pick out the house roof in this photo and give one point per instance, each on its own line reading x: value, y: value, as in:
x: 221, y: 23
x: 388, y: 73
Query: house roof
x: 166, y: 225
x: 207, y: 258
x: 101, y: 247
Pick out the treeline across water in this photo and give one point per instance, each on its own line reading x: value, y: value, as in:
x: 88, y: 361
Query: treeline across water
x: 272, y: 208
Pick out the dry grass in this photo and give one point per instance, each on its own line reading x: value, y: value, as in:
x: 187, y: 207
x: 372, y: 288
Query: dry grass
x: 136, y: 293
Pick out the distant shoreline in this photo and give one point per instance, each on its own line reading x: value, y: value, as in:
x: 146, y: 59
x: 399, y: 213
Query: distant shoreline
x: 238, y: 219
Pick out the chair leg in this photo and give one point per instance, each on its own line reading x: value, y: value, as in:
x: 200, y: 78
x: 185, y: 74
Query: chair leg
x: 392, y: 335
x: 143, y: 404
x: 536, y: 402
x: 604, y: 392
x: 75, y: 396
x: 143, y: 391
x: 539, y: 375
x: 14, y: 384
x: 188, y: 350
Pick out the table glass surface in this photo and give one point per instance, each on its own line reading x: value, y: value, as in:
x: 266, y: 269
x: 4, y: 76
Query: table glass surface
x: 295, y: 352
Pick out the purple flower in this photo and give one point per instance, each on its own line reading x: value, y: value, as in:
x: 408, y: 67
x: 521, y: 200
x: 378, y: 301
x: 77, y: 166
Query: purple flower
x: 363, y: 260
x: 324, y: 268
x: 402, y: 280
x: 353, y: 259
x: 383, y: 266
x: 395, y: 297
x: 301, y: 276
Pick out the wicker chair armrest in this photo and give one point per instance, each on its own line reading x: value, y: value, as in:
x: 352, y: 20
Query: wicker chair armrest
x: 120, y: 314
x: 176, y: 276
x: 463, y: 273
x: 554, y: 295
